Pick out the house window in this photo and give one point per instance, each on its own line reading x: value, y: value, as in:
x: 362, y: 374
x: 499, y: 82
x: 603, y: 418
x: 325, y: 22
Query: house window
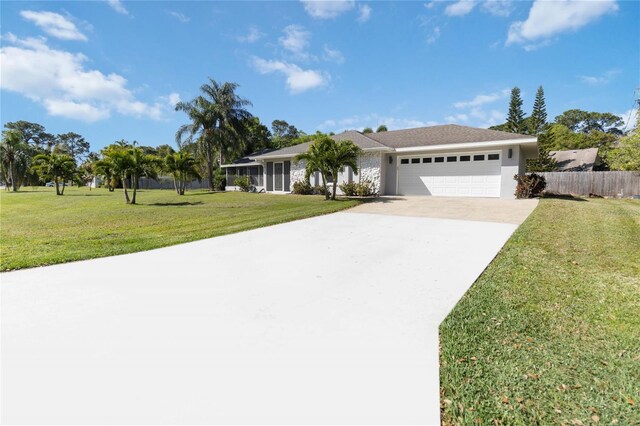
x: 493, y: 156
x: 465, y: 158
x: 452, y: 159
x: 426, y: 160
x: 478, y: 157
x: 404, y: 161
x: 415, y: 160
x: 439, y: 160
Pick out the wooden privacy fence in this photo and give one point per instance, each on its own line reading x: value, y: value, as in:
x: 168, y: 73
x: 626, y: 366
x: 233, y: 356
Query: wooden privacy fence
x: 607, y: 184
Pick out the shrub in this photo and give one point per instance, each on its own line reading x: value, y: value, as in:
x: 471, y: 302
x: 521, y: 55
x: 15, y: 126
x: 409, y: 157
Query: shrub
x: 243, y: 183
x: 219, y: 180
x: 530, y: 186
x: 302, y: 188
x: 365, y: 188
x: 349, y: 189
x: 319, y: 190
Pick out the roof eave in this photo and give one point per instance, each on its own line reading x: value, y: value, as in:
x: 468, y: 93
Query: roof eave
x: 465, y: 145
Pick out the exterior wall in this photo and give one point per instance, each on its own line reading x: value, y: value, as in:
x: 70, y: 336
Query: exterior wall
x: 390, y: 174
x: 297, y: 173
x: 370, y: 165
x: 510, y: 167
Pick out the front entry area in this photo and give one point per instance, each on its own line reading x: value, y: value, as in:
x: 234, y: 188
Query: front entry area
x: 453, y: 175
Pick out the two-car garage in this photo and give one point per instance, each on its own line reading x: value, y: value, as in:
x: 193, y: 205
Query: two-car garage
x: 475, y: 174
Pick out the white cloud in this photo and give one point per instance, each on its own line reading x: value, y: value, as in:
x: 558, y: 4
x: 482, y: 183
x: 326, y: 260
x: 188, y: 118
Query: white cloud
x: 327, y: 9
x: 63, y: 85
x: 296, y: 39
x: 498, y: 7
x: 252, y: 36
x: 173, y: 99
x: 599, y: 80
x: 549, y: 18
x: 364, y: 13
x: 359, y: 122
x: 457, y: 118
x: 118, y: 6
x: 298, y: 79
x: 179, y: 16
x: 630, y: 118
x: 460, y: 8
x: 482, y: 99
x: 54, y: 24
x: 435, y: 35
x: 332, y: 55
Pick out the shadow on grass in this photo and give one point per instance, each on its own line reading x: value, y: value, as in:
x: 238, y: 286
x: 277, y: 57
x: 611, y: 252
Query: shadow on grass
x: 567, y: 197
x: 182, y: 203
x: 88, y: 195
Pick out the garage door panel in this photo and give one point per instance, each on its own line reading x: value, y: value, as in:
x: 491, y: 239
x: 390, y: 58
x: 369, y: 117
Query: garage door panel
x: 474, y: 178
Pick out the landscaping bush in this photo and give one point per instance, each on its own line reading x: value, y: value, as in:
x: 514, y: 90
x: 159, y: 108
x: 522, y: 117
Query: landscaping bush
x: 219, y: 180
x: 319, y: 190
x: 366, y: 189
x: 349, y: 189
x: 302, y: 188
x: 243, y: 183
x: 530, y: 186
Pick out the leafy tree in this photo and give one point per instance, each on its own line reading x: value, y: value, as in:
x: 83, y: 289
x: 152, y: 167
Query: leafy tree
x: 580, y: 121
x: 283, y: 133
x: 217, y: 125
x: 34, y: 134
x: 544, y: 162
x: 183, y: 168
x: 627, y: 155
x: 515, y: 116
x: 14, y: 158
x: 258, y: 136
x: 381, y: 128
x: 367, y: 130
x: 59, y: 168
x: 162, y: 151
x: 539, y: 115
x: 76, y: 145
x: 329, y: 157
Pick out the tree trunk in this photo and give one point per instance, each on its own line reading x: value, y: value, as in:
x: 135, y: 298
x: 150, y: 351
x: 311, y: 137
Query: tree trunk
x: 210, y: 174
x: 63, y: 186
x: 175, y: 184
x: 124, y: 185
x: 57, y: 187
x: 134, y: 186
x: 12, y: 172
x: 335, y: 184
x: 324, y: 186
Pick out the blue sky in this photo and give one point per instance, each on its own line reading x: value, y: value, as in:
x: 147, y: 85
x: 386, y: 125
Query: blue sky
x: 113, y: 70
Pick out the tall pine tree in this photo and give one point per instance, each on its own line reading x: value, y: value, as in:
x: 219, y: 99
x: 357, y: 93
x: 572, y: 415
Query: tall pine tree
x: 516, y: 116
x: 539, y: 114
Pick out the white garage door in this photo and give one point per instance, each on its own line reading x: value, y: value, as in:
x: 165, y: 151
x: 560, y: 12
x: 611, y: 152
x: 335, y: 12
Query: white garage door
x: 452, y: 175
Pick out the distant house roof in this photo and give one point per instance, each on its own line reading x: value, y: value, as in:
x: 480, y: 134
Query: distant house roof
x: 448, y: 134
x: 576, y: 160
x: 247, y: 160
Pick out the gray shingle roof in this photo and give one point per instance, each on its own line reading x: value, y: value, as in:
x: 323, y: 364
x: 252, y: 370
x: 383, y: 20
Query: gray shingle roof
x: 355, y: 137
x: 441, y: 135
x: 407, y: 138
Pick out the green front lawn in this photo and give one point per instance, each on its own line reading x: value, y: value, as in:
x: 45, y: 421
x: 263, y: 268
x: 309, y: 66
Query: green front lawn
x: 40, y: 228
x: 550, y: 333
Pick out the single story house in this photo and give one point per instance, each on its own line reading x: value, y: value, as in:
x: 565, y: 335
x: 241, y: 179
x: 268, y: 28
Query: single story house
x: 446, y: 160
x: 576, y: 160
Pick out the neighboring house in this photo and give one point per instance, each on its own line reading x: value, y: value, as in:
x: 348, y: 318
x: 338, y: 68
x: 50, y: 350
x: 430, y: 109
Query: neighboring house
x: 246, y: 166
x: 447, y: 160
x: 576, y: 160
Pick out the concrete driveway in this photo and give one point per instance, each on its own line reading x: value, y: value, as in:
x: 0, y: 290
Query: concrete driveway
x: 328, y: 320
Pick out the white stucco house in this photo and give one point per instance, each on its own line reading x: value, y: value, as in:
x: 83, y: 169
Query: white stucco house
x: 446, y: 160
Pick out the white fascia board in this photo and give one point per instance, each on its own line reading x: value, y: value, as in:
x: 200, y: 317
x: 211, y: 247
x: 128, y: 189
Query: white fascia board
x: 224, y: 166
x: 277, y: 157
x: 488, y: 144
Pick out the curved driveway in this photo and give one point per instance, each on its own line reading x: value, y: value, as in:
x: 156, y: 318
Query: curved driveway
x: 332, y: 319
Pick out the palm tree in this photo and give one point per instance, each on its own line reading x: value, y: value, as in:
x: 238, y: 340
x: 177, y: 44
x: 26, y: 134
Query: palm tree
x: 58, y: 167
x: 118, y: 162
x: 140, y: 164
x: 218, y: 118
x: 329, y: 157
x: 182, y: 166
x: 14, y: 158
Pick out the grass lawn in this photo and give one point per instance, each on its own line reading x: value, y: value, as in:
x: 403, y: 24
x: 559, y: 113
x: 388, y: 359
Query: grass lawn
x: 550, y: 333
x: 40, y: 228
